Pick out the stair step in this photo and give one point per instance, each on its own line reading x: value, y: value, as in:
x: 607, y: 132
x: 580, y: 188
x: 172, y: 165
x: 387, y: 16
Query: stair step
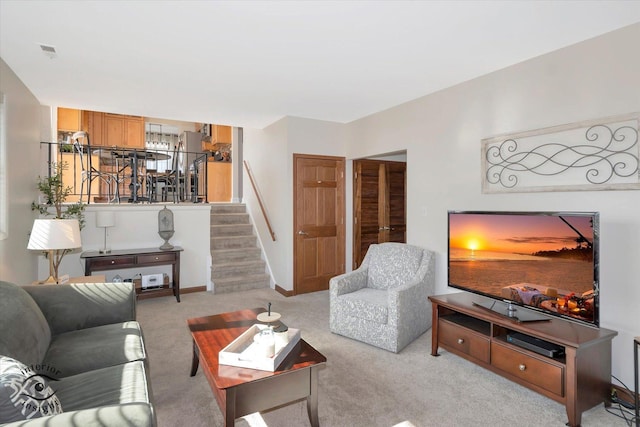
x: 217, y: 208
x: 221, y: 271
x: 222, y: 256
x: 218, y: 230
x: 240, y: 283
x: 230, y: 218
x: 233, y: 242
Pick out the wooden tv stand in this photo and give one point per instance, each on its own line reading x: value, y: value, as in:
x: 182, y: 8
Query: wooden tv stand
x: 580, y: 379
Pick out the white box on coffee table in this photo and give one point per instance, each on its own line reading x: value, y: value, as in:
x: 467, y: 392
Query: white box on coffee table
x: 243, y: 351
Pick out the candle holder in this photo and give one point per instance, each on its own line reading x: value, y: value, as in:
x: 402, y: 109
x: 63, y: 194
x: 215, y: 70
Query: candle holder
x: 268, y: 316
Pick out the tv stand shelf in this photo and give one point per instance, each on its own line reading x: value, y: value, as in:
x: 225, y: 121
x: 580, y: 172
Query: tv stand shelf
x: 579, y: 379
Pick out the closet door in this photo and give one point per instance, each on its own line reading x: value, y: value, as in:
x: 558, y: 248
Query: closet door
x: 379, y: 205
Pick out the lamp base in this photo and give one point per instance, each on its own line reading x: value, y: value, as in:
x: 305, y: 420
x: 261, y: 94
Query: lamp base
x: 105, y: 251
x: 50, y: 281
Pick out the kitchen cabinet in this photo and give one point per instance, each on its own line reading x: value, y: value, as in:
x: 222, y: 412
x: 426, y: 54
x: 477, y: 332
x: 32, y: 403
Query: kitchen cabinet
x: 104, y: 129
x: 123, y: 131
x: 68, y: 119
x: 134, y: 132
x: 218, y: 181
x: 221, y: 134
x: 93, y: 123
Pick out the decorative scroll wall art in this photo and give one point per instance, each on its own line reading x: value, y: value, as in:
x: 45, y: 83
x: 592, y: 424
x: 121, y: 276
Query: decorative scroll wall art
x: 592, y: 155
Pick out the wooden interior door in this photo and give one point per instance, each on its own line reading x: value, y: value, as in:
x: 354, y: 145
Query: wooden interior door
x: 319, y: 240
x: 379, y: 205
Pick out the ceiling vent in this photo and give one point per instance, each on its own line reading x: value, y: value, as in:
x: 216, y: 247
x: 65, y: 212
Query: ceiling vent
x: 50, y: 51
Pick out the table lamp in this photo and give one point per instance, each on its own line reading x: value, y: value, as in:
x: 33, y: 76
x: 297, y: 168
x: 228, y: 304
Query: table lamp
x: 56, y: 237
x: 105, y: 219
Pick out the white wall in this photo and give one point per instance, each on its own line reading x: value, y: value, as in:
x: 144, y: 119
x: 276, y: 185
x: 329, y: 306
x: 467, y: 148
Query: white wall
x: 17, y: 264
x: 266, y: 153
x: 442, y: 133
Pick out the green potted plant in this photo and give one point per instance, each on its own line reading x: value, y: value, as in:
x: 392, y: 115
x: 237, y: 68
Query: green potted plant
x: 55, y: 195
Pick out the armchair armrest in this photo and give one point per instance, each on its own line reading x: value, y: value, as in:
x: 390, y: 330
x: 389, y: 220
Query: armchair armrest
x: 411, y: 299
x: 84, y: 305
x: 348, y: 282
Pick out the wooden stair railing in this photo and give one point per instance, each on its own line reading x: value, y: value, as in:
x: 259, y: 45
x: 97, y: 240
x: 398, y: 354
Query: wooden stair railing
x: 259, y: 197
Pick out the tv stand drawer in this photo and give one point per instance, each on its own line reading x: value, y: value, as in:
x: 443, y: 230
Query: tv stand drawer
x: 460, y: 339
x: 527, y: 368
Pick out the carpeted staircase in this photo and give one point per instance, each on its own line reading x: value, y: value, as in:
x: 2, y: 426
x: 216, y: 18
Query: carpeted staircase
x: 236, y: 259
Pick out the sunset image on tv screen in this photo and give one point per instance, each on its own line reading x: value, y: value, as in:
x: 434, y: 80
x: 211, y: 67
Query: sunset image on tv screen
x: 521, y: 257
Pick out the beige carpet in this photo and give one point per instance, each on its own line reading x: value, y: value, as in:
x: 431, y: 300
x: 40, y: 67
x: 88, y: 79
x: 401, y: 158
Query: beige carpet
x: 360, y: 386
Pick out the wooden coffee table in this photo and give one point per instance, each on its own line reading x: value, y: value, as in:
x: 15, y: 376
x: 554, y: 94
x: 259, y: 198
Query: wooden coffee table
x: 242, y: 391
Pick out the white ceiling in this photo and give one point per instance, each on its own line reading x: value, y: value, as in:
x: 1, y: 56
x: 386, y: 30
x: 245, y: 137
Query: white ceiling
x: 250, y: 63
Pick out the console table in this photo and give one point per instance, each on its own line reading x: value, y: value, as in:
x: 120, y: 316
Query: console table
x: 580, y: 379
x: 132, y: 258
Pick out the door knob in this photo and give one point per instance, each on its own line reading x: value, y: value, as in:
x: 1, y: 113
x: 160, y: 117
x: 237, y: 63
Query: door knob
x: 302, y: 233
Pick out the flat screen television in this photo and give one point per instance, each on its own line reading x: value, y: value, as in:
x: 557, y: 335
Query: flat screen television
x: 545, y: 261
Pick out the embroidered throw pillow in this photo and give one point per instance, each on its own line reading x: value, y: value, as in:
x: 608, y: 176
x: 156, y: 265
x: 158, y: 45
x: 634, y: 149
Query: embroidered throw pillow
x: 24, y: 394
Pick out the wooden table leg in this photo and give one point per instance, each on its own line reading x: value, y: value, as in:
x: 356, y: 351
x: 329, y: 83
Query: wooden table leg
x: 230, y: 407
x: 312, y: 399
x: 195, y: 361
x: 435, y: 315
x: 176, y: 277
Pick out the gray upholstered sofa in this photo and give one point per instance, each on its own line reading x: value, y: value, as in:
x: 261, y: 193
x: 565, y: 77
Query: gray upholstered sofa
x: 84, y: 354
x: 385, y: 301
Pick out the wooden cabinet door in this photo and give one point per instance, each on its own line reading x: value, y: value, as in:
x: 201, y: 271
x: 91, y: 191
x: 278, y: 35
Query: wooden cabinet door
x: 92, y: 123
x: 113, y: 130
x: 379, y: 205
x: 318, y: 241
x: 68, y: 119
x: 219, y: 181
x: 134, y: 132
x: 221, y: 134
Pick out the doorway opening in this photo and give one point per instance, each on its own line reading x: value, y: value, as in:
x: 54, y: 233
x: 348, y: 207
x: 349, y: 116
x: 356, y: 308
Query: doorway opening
x: 379, y: 202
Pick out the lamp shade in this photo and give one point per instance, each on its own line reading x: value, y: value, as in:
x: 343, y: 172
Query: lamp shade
x: 52, y: 234
x: 105, y: 219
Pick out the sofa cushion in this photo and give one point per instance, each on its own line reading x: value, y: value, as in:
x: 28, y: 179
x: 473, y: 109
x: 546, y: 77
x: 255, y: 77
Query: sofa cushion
x: 24, y: 394
x: 24, y: 332
x: 126, y: 383
x: 84, y: 305
x: 128, y: 415
x: 367, y: 304
x: 392, y: 264
x: 84, y: 350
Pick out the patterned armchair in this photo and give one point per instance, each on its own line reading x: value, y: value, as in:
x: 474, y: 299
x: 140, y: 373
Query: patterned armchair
x: 385, y: 301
